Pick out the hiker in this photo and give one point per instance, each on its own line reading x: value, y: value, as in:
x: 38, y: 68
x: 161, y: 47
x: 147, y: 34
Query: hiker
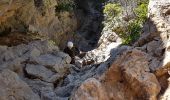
x: 72, y: 51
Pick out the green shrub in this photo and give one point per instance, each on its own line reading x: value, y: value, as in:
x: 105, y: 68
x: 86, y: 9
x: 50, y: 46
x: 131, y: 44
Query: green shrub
x: 129, y: 31
x: 65, y: 6
x: 112, y: 10
x: 134, y: 27
x: 141, y: 11
x: 49, y: 3
x: 133, y: 32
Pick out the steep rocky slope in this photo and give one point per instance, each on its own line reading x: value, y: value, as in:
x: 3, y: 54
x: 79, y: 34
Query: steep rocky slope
x: 36, y: 16
x: 141, y: 72
x: 38, y: 70
x: 90, y: 17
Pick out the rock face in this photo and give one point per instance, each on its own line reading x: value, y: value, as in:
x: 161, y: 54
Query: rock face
x: 13, y: 88
x: 91, y: 89
x: 40, y: 64
x: 128, y: 78
x: 155, y: 40
x: 109, y: 43
x: 43, y: 18
x: 156, y: 37
x: 39, y: 71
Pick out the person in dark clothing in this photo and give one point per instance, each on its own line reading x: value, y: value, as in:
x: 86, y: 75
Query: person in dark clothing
x: 72, y: 51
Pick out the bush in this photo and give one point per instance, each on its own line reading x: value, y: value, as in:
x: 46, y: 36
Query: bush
x: 129, y: 31
x: 141, y: 12
x: 112, y: 10
x: 133, y: 32
x: 49, y: 3
x: 65, y: 6
x: 134, y: 27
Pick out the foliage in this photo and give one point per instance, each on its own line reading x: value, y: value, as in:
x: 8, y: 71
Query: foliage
x: 130, y: 30
x: 133, y: 30
x: 49, y: 3
x: 135, y: 26
x: 141, y: 11
x: 65, y: 5
x: 111, y: 10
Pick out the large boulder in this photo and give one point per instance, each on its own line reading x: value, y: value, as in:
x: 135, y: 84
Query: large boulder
x: 13, y: 88
x: 38, y: 71
x: 131, y: 71
x: 40, y: 64
x: 91, y: 89
x: 14, y: 57
x: 53, y: 62
x: 128, y: 78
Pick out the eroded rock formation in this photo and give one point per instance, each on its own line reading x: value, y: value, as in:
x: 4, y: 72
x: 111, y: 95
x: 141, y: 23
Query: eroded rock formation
x: 40, y: 71
x: 36, y: 16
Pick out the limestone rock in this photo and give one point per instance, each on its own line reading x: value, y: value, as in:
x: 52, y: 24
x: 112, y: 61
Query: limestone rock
x: 37, y: 85
x: 48, y: 60
x: 43, y: 18
x: 154, y: 48
x: 48, y: 94
x: 155, y: 38
x: 43, y: 46
x: 9, y: 55
x: 3, y: 48
x: 132, y: 68
x: 13, y: 88
x: 20, y: 49
x: 107, y: 43
x: 128, y: 78
x: 64, y: 56
x: 38, y: 71
x: 158, y: 14
x: 91, y: 89
x: 154, y: 64
x: 56, y: 77
x: 55, y: 63
x: 34, y: 53
x: 64, y: 91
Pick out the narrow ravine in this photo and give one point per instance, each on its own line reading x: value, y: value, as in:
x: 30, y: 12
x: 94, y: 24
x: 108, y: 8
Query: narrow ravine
x: 90, y: 14
x: 38, y: 69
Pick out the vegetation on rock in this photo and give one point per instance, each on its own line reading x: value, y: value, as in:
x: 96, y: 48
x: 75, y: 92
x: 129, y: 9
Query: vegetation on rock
x: 112, y: 10
x: 129, y: 30
x: 65, y: 5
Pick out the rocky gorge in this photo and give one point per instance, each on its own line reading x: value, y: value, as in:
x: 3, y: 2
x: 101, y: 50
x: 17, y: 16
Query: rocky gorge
x: 37, y: 69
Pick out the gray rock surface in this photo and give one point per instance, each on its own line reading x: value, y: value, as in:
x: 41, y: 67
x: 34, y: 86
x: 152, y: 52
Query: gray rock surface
x: 13, y: 88
x: 38, y: 71
x: 40, y: 64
